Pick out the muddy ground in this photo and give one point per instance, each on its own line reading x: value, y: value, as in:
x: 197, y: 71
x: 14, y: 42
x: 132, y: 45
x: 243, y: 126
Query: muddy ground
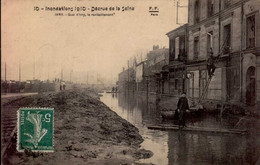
x: 86, y: 131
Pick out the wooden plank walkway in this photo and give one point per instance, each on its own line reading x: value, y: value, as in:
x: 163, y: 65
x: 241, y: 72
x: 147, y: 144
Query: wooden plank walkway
x: 112, y: 92
x: 197, y: 129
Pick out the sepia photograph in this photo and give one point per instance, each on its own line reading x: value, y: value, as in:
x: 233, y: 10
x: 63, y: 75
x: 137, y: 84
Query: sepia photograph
x: 130, y: 82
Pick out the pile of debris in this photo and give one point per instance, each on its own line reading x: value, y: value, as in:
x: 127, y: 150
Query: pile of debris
x: 85, y: 130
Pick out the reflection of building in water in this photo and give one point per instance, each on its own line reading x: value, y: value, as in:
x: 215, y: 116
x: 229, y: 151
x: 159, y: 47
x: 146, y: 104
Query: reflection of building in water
x: 138, y: 108
x: 195, y: 148
x: 139, y: 113
x: 128, y: 103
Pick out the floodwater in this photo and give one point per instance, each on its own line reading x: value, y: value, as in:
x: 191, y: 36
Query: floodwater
x: 182, y: 147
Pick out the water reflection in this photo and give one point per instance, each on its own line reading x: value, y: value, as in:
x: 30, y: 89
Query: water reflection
x: 178, y: 147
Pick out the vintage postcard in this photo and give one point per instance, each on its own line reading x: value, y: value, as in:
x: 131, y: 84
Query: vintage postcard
x: 124, y: 82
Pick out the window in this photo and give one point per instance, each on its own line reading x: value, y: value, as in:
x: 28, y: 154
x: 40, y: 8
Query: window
x: 210, y: 42
x: 182, y: 49
x: 250, y: 32
x: 176, y: 84
x: 196, y: 11
x: 196, y: 48
x: 227, y: 39
x: 172, y: 50
x: 210, y: 8
x: 227, y: 3
x: 177, y: 47
x: 236, y: 77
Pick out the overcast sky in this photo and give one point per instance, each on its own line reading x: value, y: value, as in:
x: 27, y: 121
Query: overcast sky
x: 93, y: 44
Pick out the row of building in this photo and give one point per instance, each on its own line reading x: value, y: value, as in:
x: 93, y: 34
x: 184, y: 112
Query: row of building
x: 145, y: 75
x: 229, y: 28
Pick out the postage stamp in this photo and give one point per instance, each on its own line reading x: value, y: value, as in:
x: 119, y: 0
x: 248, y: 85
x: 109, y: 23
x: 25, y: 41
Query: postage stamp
x: 35, y: 129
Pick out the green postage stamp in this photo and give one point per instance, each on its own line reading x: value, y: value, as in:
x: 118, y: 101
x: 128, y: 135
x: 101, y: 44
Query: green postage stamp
x: 35, y: 129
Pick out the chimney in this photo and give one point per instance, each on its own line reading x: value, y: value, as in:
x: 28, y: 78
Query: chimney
x: 155, y: 47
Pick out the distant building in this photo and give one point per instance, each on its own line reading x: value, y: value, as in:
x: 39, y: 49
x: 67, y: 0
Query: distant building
x: 145, y: 75
x: 156, y: 59
x: 140, y: 79
x: 126, y: 80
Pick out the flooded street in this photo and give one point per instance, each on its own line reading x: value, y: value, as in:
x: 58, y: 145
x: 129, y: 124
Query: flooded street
x: 182, y: 147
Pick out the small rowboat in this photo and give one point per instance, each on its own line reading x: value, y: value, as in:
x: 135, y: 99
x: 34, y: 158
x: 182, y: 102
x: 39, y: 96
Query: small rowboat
x: 170, y: 114
x: 198, y: 129
x: 112, y: 92
x: 167, y: 114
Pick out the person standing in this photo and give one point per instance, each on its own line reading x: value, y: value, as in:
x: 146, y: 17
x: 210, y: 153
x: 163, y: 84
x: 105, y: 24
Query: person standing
x: 113, y: 89
x: 211, y: 66
x: 182, y: 106
x: 64, y: 85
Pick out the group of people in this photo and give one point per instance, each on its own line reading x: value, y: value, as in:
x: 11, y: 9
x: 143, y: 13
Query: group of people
x: 62, y: 86
x: 183, y: 105
x: 114, y: 89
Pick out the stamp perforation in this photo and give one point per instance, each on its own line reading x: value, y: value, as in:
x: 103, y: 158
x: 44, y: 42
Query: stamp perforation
x: 18, y: 128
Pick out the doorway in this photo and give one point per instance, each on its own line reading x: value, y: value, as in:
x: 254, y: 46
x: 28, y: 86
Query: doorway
x: 250, y: 86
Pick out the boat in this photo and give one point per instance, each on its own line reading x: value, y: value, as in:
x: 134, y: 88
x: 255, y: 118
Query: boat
x: 197, y: 129
x: 111, y: 92
x: 174, y: 114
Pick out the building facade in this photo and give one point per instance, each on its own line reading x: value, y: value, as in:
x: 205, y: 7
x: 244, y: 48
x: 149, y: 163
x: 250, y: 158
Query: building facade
x: 126, y: 80
x: 174, y: 75
x: 231, y: 29
x: 156, y: 59
x: 227, y: 29
x: 140, y: 77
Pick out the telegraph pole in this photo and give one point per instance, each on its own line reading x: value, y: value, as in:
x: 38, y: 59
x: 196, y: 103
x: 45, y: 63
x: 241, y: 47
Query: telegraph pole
x: 70, y: 75
x: 5, y: 71
x: 87, y: 77
x: 177, y: 14
x: 34, y: 68
x: 61, y: 77
x: 128, y: 76
x: 48, y: 71
x: 20, y: 70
